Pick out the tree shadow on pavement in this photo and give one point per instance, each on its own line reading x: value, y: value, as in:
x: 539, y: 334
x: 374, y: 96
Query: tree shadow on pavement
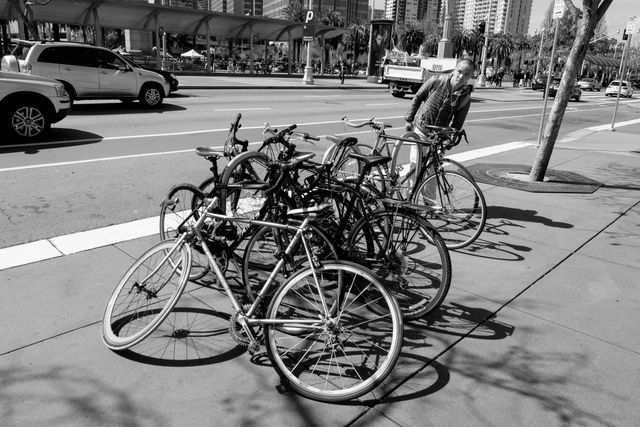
x: 63, y: 395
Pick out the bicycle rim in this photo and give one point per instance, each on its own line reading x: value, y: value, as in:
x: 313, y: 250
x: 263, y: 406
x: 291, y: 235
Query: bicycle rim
x: 339, y: 355
x: 181, y: 200
x: 408, y: 256
x: 145, y: 295
x: 458, y: 209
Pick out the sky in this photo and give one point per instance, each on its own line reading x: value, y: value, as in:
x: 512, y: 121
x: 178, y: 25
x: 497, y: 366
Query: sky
x: 617, y: 15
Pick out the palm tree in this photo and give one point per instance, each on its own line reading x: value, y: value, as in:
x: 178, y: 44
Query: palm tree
x: 469, y: 41
x: 295, y: 12
x: 356, y: 38
x: 411, y: 37
x: 521, y: 43
x: 501, y: 45
x: 330, y: 17
x: 431, y: 41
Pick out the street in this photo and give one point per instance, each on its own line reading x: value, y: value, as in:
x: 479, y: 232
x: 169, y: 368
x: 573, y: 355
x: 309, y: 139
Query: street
x: 536, y: 329
x: 109, y: 163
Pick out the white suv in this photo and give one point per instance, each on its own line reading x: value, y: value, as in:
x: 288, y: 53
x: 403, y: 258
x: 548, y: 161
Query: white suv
x: 90, y: 72
x: 29, y: 104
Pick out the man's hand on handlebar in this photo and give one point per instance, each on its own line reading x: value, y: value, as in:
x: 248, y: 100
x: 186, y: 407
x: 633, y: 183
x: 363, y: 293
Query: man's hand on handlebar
x: 408, y: 126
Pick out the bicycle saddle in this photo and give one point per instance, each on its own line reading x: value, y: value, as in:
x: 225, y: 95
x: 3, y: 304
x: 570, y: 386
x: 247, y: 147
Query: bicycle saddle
x: 208, y: 152
x: 370, y: 161
x: 340, y: 141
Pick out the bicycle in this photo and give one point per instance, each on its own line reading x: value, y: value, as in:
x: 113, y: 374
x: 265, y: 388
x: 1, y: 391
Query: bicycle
x: 457, y: 208
x: 395, y: 242
x: 332, y: 331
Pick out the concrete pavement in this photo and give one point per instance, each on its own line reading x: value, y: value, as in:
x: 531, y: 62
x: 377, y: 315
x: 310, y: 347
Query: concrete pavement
x: 539, y: 327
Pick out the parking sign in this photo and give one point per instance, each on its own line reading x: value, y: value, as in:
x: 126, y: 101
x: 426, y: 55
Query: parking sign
x: 558, y: 9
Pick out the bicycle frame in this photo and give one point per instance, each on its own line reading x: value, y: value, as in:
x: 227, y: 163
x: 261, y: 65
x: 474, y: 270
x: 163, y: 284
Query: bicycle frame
x: 249, y: 320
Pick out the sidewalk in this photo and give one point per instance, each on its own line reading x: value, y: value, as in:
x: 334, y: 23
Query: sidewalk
x: 540, y: 327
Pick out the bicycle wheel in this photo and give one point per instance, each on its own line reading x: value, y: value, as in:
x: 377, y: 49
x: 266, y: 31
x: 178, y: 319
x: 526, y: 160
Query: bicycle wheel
x: 244, y: 170
x: 146, y: 294
x: 343, y: 351
x: 265, y: 248
x: 458, y: 208
x: 175, y: 209
x: 408, y: 255
x: 454, y: 166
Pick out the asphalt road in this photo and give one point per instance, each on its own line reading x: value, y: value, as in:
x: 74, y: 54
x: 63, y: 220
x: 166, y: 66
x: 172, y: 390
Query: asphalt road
x: 109, y: 163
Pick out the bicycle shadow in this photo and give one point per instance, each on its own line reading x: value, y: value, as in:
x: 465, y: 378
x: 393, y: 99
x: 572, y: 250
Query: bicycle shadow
x: 502, y: 251
x: 418, y: 375
x: 190, y: 336
x: 527, y: 215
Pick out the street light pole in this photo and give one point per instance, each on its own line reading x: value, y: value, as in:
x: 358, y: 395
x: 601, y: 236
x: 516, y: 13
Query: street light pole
x: 544, y: 30
x: 307, y: 79
x: 482, y: 78
x: 631, y: 27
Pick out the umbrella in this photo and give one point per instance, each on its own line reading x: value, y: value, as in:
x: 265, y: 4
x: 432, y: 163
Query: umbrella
x: 191, y: 54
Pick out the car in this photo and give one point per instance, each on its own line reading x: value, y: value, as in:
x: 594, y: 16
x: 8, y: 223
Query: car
x: 169, y: 77
x: 626, y: 89
x: 91, y: 72
x: 576, y: 92
x: 30, y: 104
x: 589, y: 84
x: 539, y: 82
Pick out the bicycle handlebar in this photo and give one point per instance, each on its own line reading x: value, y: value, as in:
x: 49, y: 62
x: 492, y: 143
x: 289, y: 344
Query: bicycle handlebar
x: 371, y: 122
x: 285, y: 166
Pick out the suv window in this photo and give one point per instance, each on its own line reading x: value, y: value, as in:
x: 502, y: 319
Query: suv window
x: 71, y: 55
x: 110, y: 59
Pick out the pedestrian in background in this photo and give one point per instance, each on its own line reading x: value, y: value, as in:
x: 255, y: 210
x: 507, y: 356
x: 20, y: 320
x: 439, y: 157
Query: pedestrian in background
x: 342, y: 66
x: 442, y: 100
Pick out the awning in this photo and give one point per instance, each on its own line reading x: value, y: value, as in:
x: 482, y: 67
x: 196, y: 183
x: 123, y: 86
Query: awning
x: 137, y: 15
x: 602, y: 61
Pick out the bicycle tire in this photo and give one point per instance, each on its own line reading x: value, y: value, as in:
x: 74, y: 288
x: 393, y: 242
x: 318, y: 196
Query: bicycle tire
x: 459, y: 210
x: 249, y: 167
x: 136, y: 309
x: 181, y: 200
x: 344, y: 352
x: 455, y: 166
x: 262, y: 254
x: 408, y: 256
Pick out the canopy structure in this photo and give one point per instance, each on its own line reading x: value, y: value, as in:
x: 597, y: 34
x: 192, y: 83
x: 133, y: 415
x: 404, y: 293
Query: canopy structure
x: 140, y: 15
x: 191, y: 54
x: 602, y: 61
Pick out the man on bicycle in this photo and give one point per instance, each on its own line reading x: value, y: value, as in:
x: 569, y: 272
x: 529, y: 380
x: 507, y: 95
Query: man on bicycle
x: 442, y: 100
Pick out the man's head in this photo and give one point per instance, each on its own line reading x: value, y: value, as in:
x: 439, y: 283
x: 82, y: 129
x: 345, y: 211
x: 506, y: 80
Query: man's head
x: 462, y: 73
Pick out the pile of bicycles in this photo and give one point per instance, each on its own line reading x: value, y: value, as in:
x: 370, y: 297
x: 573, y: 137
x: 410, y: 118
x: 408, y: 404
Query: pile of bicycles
x: 333, y: 256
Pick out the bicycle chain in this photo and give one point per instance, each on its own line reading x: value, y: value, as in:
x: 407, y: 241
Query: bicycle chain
x: 238, y: 334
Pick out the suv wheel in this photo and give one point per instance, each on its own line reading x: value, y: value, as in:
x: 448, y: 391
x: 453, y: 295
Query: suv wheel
x: 151, y: 96
x: 27, y: 120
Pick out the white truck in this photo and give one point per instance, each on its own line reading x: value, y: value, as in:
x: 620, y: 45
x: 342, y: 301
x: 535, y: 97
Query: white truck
x: 407, y: 78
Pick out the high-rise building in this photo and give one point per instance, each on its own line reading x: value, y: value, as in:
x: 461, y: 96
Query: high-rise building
x: 508, y: 16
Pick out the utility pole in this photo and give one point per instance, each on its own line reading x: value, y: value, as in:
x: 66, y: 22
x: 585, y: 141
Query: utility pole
x: 631, y: 27
x: 308, y: 69
x: 482, y: 78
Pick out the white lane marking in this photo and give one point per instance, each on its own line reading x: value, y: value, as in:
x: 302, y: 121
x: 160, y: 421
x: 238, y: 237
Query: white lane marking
x: 243, y: 109
x: 608, y: 126
x: 382, y: 104
x: 41, y: 250
x: 16, y: 168
x: 27, y: 253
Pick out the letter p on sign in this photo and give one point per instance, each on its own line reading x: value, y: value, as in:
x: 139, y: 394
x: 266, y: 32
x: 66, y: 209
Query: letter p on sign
x: 309, y: 17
